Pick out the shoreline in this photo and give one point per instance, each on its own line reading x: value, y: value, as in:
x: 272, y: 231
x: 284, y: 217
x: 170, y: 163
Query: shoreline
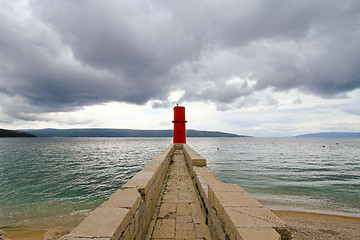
x: 303, y: 225
x: 312, y: 225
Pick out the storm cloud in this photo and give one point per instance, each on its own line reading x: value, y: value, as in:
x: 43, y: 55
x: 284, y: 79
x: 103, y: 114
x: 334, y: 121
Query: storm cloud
x: 58, y: 56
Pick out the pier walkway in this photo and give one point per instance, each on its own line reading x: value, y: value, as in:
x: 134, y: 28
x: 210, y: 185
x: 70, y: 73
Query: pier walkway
x: 176, y: 196
x: 178, y: 214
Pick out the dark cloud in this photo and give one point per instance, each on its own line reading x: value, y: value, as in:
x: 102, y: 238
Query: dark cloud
x: 63, y: 55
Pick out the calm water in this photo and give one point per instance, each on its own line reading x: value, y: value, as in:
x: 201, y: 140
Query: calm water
x: 305, y: 174
x: 58, y: 181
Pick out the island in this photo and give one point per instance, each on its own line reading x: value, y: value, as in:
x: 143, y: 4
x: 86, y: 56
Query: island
x: 331, y: 135
x: 14, y: 134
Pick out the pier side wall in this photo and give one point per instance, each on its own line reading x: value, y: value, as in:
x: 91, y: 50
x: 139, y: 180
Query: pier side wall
x: 127, y: 213
x: 230, y: 211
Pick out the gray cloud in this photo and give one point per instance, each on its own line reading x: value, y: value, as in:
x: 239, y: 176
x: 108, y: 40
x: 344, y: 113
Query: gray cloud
x: 63, y: 55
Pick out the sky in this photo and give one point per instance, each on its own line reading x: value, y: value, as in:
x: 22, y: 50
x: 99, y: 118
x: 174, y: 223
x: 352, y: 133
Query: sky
x: 265, y: 68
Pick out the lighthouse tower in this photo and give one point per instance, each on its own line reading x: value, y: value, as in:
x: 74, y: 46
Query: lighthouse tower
x: 179, y: 124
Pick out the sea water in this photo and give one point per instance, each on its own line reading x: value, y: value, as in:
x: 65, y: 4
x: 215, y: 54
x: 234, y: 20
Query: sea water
x: 47, y: 182
x: 303, y: 174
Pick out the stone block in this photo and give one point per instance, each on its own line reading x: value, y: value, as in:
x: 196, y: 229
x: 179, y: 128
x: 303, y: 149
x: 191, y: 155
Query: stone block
x: 232, y: 199
x: 218, y: 186
x: 142, y: 214
x: 187, y: 194
x: 169, y: 198
x: 164, y: 228
x: 129, y: 232
x: 198, y: 162
x: 183, y: 209
x: 103, y: 222
x: 202, y: 231
x: 205, y: 176
x: 197, y: 213
x: 137, y: 222
x: 184, y: 223
x: 167, y: 210
x: 213, y: 232
x: 124, y: 198
x: 253, y: 217
x: 136, y: 183
x: 190, y: 234
x: 216, y: 226
x: 256, y: 234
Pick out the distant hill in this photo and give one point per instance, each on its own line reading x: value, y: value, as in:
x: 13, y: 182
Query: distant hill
x: 11, y: 134
x: 106, y: 132
x: 332, y: 135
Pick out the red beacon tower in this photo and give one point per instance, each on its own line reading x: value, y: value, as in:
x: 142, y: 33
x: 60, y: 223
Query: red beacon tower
x: 179, y: 124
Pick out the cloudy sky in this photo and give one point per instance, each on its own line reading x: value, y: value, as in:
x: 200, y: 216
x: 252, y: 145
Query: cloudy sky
x: 260, y: 67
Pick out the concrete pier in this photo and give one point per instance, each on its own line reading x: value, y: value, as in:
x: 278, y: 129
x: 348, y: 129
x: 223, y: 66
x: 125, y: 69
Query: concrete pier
x: 177, y: 197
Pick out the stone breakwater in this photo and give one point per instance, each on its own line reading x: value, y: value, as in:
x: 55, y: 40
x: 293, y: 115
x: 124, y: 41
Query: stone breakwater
x: 176, y: 196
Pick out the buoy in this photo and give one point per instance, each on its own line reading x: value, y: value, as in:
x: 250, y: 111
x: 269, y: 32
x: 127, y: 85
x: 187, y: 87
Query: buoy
x: 323, y: 145
x: 218, y: 149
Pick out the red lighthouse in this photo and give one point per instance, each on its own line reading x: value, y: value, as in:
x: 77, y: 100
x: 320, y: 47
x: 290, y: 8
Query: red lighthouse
x: 179, y: 124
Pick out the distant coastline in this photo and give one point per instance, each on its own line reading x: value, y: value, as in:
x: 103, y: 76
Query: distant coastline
x: 14, y: 134
x: 332, y: 135
x: 108, y: 132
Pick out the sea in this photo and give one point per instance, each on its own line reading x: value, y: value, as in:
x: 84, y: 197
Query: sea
x: 49, y: 182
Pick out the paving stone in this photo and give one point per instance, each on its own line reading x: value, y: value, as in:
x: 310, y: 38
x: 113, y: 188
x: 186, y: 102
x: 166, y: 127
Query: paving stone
x: 169, y: 198
x: 183, y: 209
x: 186, y: 195
x: 164, y: 228
x: 167, y: 210
x: 184, y: 223
x: 185, y: 235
